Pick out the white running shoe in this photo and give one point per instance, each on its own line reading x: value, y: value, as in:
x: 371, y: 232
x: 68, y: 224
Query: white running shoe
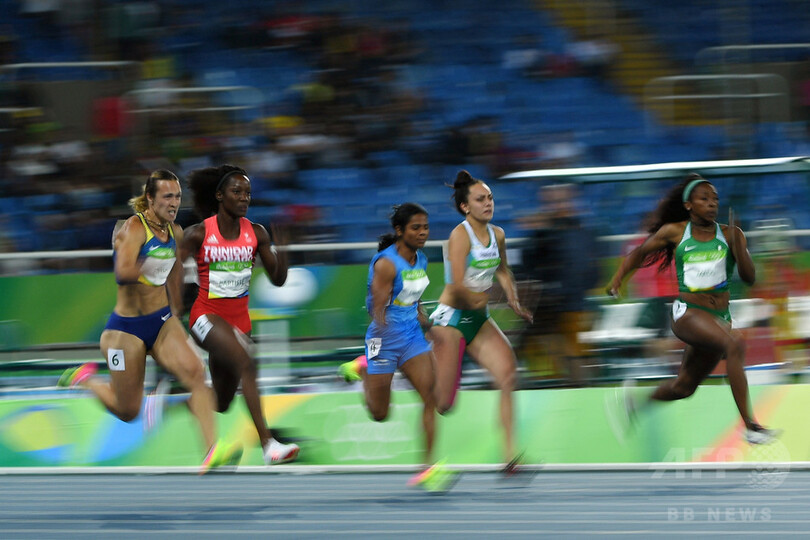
x: 276, y: 452
x: 761, y: 435
x: 155, y: 404
x: 620, y: 410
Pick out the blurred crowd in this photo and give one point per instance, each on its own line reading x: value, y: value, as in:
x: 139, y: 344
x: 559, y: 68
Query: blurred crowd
x: 353, y: 106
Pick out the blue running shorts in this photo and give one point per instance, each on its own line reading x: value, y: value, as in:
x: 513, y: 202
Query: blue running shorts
x: 387, y: 351
x: 144, y: 327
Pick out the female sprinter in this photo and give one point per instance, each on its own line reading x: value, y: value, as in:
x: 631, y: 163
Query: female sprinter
x: 225, y: 246
x: 144, y: 255
x: 397, y: 277
x: 684, y: 229
x: 475, y: 257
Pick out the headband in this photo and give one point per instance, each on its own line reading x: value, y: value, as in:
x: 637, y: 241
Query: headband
x: 226, y: 176
x: 690, y: 186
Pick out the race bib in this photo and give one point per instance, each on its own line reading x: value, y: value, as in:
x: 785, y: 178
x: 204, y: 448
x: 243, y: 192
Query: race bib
x: 115, y: 360
x: 201, y: 327
x: 704, y: 270
x: 373, y: 347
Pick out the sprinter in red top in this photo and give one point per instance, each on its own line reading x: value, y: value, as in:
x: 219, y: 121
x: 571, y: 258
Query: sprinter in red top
x: 225, y: 246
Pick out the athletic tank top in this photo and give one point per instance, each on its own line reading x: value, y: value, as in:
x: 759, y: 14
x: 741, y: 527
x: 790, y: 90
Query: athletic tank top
x: 225, y: 266
x: 157, y: 258
x: 409, y: 284
x: 482, y: 262
x: 703, y: 266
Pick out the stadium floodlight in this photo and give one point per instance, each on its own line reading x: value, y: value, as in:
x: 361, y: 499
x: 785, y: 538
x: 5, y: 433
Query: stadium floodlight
x: 657, y: 171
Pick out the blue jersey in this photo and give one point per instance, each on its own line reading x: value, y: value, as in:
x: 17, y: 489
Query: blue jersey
x: 409, y: 284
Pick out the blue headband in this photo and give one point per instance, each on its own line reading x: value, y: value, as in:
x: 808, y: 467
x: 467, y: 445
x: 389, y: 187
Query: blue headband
x: 690, y: 186
x: 225, y: 177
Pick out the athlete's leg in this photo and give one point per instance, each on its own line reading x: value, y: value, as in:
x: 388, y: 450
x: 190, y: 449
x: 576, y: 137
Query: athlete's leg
x: 225, y: 376
x: 230, y: 361
x: 419, y: 371
x: 448, y: 346
x: 175, y: 354
x: 695, y: 367
x: 377, y: 389
x: 126, y: 359
x: 704, y: 331
x: 491, y: 349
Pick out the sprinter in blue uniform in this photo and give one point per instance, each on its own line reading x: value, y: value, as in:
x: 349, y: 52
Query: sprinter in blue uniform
x: 397, y: 277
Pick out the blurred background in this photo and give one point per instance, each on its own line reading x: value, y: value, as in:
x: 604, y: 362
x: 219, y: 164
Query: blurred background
x: 339, y: 109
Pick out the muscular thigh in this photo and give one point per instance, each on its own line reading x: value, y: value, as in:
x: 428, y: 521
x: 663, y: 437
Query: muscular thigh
x: 446, y: 348
x: 126, y: 359
x: 419, y: 371
x: 217, y: 336
x: 173, y: 351
x: 702, y: 330
x: 378, y: 388
x: 698, y: 363
x: 492, y: 350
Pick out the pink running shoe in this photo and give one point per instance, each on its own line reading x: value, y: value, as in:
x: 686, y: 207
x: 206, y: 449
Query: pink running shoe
x: 72, y: 377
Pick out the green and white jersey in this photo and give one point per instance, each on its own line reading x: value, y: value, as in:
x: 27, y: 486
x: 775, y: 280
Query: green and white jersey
x: 482, y: 262
x: 703, y: 266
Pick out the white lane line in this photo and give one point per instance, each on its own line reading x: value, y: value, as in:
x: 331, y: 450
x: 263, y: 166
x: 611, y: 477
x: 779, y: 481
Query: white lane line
x: 375, y: 469
x: 428, y: 533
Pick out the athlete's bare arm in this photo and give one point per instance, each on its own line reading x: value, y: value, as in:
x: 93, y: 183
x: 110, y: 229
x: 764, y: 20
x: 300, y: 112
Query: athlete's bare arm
x: 670, y: 233
x: 274, y: 260
x: 382, y: 287
x: 507, y: 280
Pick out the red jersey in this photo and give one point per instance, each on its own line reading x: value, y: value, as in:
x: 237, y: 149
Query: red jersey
x: 225, y: 268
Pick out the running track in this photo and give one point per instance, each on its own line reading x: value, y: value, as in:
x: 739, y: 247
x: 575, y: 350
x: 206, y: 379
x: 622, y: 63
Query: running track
x: 294, y: 503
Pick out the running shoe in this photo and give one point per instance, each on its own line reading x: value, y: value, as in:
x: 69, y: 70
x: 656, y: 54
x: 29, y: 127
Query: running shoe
x: 350, y: 371
x: 512, y: 467
x: 761, y: 435
x: 435, y: 479
x: 620, y: 410
x: 155, y: 404
x: 515, y: 472
x: 276, y: 453
x: 72, y: 377
x: 221, y: 455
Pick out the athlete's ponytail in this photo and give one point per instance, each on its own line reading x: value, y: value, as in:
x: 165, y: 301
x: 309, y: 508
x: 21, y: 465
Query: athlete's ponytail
x: 461, y: 189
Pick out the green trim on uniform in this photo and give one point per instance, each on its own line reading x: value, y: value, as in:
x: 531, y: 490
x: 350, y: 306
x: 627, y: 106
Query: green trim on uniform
x: 723, y: 314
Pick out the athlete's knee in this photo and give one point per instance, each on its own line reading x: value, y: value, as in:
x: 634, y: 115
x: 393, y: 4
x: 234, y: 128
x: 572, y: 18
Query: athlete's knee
x: 430, y: 403
x: 444, y: 408
x: 379, y: 413
x: 223, y: 403
x: 128, y: 412
x: 683, y: 389
x: 506, y: 378
x: 735, y: 348
x: 248, y: 365
x: 192, y: 374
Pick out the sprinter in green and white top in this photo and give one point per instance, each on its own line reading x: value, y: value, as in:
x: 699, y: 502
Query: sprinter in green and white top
x: 475, y: 256
x: 684, y: 229
x: 703, y: 266
x: 482, y: 261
